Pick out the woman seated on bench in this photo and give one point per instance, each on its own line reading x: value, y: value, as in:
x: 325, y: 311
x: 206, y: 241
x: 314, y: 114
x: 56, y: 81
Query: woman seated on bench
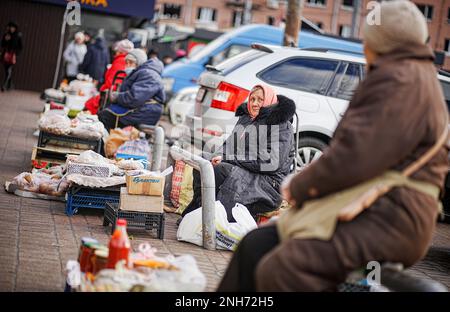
x: 256, y: 157
x: 140, y: 96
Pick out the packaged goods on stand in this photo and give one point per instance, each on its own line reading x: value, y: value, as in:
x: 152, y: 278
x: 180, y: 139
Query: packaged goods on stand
x: 93, y: 170
x: 145, y: 271
x: 56, y: 122
x: 43, y: 181
x: 119, y: 245
x: 87, y: 126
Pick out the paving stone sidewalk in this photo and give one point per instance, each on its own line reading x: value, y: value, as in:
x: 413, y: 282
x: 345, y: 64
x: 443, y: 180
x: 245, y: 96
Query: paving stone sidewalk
x: 37, y: 238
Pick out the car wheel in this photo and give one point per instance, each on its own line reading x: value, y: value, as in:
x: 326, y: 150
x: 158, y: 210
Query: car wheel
x: 309, y: 150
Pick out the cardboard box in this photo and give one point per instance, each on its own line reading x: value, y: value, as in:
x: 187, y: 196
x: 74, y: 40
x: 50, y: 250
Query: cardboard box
x: 145, y: 185
x: 141, y: 203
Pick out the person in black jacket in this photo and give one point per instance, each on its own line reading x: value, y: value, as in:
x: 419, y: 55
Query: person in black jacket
x: 11, y: 46
x: 255, y: 158
x: 96, y: 59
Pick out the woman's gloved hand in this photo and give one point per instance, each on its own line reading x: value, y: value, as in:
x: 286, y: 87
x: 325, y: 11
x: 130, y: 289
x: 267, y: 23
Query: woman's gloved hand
x: 113, y: 96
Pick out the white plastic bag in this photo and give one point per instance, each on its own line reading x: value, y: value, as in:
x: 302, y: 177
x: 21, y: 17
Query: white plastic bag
x: 56, y: 122
x: 228, y: 234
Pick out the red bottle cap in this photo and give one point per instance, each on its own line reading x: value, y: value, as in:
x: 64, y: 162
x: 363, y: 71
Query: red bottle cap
x: 122, y: 222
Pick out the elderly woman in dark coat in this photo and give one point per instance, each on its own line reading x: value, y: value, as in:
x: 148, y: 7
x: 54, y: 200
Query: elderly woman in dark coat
x: 140, y: 97
x: 256, y: 157
x: 397, y: 114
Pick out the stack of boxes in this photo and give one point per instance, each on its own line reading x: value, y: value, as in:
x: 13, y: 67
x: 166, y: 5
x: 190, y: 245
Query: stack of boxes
x: 143, y: 193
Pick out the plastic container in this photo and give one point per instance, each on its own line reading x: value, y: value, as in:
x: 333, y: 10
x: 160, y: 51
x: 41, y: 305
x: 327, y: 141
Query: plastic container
x: 86, y: 248
x: 119, y: 245
x: 89, y: 198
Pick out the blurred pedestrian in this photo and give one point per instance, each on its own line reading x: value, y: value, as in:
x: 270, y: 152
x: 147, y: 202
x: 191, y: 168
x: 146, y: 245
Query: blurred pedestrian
x: 11, y: 46
x: 121, y: 50
x: 87, y: 38
x: 167, y: 60
x: 180, y: 53
x: 96, y: 60
x: 153, y: 54
x: 140, y: 96
x: 396, y: 117
x: 74, y: 56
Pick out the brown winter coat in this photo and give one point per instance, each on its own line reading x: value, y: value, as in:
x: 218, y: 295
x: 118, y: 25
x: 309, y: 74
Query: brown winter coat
x: 395, y: 116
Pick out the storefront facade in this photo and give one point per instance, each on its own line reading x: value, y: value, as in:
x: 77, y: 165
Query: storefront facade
x: 40, y: 24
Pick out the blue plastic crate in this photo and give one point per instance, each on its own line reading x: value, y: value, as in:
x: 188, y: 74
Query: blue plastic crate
x: 90, y: 198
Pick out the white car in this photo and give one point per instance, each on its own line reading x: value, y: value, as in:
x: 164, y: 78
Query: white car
x: 321, y: 82
x: 182, y: 103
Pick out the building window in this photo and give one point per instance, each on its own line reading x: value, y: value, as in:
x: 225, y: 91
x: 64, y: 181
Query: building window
x: 237, y: 18
x: 347, y: 4
x: 270, y: 20
x: 321, y: 3
x: 447, y: 46
x: 448, y: 16
x: 427, y: 11
x: 345, y: 31
x: 206, y: 15
x: 171, y: 11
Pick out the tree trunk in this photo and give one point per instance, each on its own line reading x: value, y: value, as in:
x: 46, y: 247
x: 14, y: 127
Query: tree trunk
x: 293, y: 22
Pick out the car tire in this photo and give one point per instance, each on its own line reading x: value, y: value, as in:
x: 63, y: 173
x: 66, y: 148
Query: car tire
x: 309, y: 149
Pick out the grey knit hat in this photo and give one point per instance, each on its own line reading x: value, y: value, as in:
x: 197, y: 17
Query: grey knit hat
x: 401, y: 24
x: 138, y: 56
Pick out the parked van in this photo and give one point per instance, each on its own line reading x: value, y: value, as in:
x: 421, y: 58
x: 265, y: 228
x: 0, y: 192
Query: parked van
x: 185, y: 72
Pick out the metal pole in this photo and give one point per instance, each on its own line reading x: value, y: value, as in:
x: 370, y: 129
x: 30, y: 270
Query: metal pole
x: 208, y: 192
x: 158, y: 144
x: 188, y: 13
x: 356, y: 18
x: 61, y: 43
x: 334, y: 18
x: 248, y: 12
x: 293, y: 23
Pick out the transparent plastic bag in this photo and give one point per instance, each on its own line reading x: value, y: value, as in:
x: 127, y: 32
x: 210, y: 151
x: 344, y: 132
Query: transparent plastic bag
x: 136, y: 149
x: 87, y: 127
x: 56, y: 122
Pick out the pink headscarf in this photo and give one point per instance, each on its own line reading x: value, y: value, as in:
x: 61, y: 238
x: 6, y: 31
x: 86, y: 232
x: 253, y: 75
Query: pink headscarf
x: 270, y: 97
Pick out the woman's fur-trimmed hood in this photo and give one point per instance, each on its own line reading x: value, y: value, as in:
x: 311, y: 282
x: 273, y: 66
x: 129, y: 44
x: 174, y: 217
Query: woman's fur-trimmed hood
x: 275, y: 114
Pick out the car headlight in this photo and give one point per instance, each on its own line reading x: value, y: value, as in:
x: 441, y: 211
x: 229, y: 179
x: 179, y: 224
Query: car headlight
x: 168, y: 84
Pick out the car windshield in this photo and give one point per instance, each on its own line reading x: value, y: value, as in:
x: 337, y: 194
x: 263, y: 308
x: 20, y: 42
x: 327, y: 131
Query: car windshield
x: 239, y: 60
x: 208, y: 49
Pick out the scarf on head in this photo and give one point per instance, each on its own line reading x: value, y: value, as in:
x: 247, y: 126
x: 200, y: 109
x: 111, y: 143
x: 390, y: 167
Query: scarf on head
x: 270, y: 97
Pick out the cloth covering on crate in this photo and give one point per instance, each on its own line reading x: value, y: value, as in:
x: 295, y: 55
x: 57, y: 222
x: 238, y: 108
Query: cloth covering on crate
x: 94, y: 159
x: 96, y: 181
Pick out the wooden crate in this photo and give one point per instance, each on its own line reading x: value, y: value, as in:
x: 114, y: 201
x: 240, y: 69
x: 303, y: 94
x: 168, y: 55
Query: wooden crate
x: 53, y: 154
